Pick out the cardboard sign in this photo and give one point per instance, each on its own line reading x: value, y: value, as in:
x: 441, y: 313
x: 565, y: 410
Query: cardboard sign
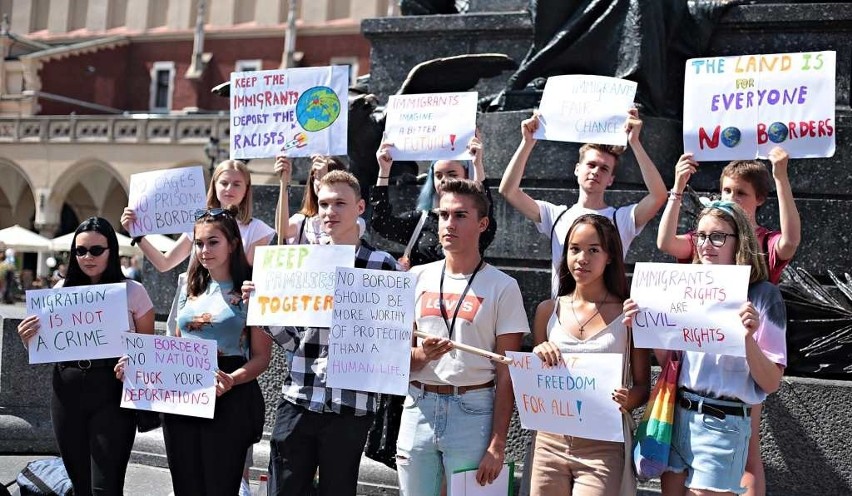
x: 573, y: 398
x: 78, y: 323
x: 585, y: 109
x: 741, y: 107
x: 463, y: 483
x: 290, y: 112
x: 294, y: 284
x: 170, y: 375
x: 165, y: 201
x: 431, y: 126
x: 369, y: 346
x: 690, y: 307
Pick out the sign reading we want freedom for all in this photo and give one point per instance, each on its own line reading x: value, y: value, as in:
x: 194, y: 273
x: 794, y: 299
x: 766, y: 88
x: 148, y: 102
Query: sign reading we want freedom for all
x: 78, y: 323
x: 743, y: 106
x: 690, y: 307
x: 434, y: 126
x: 292, y: 112
x: 165, y: 201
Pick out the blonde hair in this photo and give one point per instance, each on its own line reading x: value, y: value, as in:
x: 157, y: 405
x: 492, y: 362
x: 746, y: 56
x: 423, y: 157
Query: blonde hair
x: 244, y: 208
x: 309, y: 199
x: 342, y: 176
x: 747, y: 252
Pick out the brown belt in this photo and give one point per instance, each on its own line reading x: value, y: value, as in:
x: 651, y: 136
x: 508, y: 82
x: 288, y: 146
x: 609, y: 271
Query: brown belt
x: 446, y: 389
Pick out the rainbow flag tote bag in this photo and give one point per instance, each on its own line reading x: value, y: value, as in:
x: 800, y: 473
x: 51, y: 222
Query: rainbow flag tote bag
x: 653, y: 438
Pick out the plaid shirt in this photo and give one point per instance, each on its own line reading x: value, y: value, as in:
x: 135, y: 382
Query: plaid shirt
x: 305, y: 384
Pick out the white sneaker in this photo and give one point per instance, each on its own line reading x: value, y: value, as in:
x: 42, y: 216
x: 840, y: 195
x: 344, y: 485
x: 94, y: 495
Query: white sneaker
x: 245, y: 489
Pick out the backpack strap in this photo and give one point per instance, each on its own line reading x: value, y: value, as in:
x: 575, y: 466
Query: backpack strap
x: 300, y: 239
x: 615, y: 221
x: 415, y: 234
x: 36, y: 480
x: 553, y: 227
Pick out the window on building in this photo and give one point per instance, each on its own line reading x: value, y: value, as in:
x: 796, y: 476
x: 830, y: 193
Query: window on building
x: 248, y: 65
x: 162, y: 82
x: 338, y: 9
x: 117, y: 14
x: 157, y: 12
x: 352, y: 62
x: 77, y: 11
x: 244, y: 11
x: 41, y: 9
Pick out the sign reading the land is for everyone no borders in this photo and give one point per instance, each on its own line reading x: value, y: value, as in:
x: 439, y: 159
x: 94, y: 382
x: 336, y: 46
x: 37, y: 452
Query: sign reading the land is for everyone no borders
x: 585, y: 109
x: 294, y: 284
x: 743, y: 106
x: 690, y: 307
x: 291, y: 112
x: 165, y: 201
x: 431, y: 126
x: 78, y: 323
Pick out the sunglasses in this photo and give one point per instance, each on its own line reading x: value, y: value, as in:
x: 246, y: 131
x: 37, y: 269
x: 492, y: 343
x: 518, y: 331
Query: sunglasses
x: 96, y: 251
x: 717, y: 239
x: 213, y: 212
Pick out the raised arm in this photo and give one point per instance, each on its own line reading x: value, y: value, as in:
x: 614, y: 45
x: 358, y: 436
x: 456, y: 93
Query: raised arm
x: 284, y: 170
x: 385, y: 160
x: 475, y: 150
x: 510, y: 185
x: 651, y: 203
x: 788, y: 214
x: 384, y: 221
x: 668, y: 240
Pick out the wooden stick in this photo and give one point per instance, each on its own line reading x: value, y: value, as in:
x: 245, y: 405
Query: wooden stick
x: 495, y: 357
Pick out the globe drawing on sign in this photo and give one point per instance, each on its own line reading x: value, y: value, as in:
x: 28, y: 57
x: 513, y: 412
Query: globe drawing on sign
x: 777, y: 132
x: 317, y: 108
x: 731, y: 137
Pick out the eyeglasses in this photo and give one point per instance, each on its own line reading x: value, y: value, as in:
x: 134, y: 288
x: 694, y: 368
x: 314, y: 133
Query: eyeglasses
x: 213, y: 212
x: 96, y: 251
x: 717, y: 239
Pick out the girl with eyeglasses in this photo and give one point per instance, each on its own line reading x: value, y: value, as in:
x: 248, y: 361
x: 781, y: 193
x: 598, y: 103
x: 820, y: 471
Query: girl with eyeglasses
x: 94, y: 435
x: 710, y: 446
x: 207, y: 456
x: 746, y: 183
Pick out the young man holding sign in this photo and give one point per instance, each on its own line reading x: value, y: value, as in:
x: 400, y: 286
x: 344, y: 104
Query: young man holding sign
x: 456, y: 414
x: 595, y: 172
x: 318, y: 426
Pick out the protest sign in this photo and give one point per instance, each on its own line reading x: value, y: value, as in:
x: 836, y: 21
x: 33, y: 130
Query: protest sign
x: 434, y: 126
x: 294, y: 284
x: 741, y: 107
x: 369, y: 346
x: 572, y: 398
x: 78, y: 323
x: 170, y: 375
x: 291, y: 112
x: 690, y: 307
x: 463, y: 482
x: 585, y: 109
x: 165, y: 201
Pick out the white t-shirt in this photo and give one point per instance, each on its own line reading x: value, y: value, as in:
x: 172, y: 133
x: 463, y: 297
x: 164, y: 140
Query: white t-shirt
x: 311, y: 233
x: 491, y: 307
x: 549, y: 212
x: 250, y: 233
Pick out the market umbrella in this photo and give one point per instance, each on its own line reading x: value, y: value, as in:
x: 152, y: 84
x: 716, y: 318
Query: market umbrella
x: 125, y: 249
x: 24, y: 240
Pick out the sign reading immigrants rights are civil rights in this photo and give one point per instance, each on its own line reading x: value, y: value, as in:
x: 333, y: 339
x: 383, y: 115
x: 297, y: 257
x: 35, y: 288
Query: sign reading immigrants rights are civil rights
x: 165, y: 201
x: 741, y: 107
x: 291, y: 112
x: 78, y: 323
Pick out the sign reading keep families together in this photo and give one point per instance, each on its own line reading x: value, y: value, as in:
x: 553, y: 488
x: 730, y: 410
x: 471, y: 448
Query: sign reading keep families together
x: 291, y: 112
x: 431, y: 126
x: 741, y: 107
x: 165, y: 201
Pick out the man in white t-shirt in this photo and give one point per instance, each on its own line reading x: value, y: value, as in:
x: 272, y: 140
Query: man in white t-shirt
x: 457, y: 411
x: 595, y: 172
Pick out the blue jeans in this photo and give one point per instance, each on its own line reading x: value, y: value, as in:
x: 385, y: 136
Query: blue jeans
x: 441, y: 433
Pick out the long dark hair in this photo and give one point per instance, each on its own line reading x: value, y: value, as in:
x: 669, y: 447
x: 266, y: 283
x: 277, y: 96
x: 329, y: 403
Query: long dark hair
x: 614, y: 277
x: 198, y: 278
x: 74, y: 275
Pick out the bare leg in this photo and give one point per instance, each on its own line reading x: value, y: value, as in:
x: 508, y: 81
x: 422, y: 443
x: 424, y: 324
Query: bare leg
x: 672, y: 484
x: 754, y: 479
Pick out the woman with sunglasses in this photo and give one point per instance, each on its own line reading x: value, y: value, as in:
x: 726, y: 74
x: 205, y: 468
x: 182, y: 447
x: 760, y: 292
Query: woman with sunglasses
x: 717, y: 393
x: 94, y: 435
x: 207, y: 456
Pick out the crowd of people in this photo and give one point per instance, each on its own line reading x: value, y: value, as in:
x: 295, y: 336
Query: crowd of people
x: 458, y: 407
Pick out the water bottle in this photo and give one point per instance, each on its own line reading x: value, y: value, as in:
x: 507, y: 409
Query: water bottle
x: 262, y: 485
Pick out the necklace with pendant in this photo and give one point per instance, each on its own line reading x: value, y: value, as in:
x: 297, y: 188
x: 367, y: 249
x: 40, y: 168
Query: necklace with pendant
x: 582, y: 325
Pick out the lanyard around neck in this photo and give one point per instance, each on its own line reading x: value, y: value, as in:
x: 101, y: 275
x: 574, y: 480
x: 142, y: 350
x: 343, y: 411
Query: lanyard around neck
x: 443, y: 307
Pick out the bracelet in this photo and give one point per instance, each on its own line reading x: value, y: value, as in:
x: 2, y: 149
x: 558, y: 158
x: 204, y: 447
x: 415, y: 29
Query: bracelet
x: 674, y: 195
x: 135, y: 241
x: 384, y: 177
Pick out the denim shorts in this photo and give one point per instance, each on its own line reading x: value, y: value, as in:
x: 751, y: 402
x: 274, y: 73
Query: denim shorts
x: 713, y: 451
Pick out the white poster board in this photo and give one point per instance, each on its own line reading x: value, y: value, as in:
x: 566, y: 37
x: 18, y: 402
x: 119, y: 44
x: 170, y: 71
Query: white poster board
x: 294, y: 284
x: 170, y: 375
x: 434, y: 126
x: 165, y: 201
x: 573, y: 398
x: 78, y: 323
x: 741, y: 107
x: 690, y: 307
x: 291, y: 112
x: 369, y: 346
x: 585, y: 109
x: 463, y: 483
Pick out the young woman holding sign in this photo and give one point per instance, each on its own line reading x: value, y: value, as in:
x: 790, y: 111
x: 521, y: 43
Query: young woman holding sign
x: 716, y: 393
x: 93, y: 433
x: 207, y: 456
x: 586, y: 318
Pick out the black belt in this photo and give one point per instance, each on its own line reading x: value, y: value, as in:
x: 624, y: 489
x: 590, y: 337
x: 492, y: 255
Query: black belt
x: 88, y: 364
x: 714, y: 409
